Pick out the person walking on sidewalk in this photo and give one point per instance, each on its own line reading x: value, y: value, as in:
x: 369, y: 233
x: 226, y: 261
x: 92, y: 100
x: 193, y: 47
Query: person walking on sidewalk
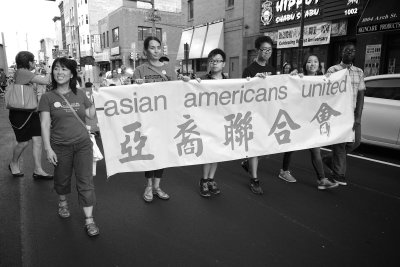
x: 311, y: 67
x: 216, y: 60
x: 337, y: 162
x: 153, y: 71
x: 26, y: 124
x: 66, y: 140
x: 258, y: 68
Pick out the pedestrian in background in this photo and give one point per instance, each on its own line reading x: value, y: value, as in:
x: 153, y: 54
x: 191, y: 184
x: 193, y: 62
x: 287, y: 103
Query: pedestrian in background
x: 26, y: 124
x: 311, y: 67
x: 114, y: 80
x: 287, y: 68
x: 216, y: 61
x: 258, y: 68
x: 67, y: 141
x: 153, y: 71
x: 3, y: 81
x: 337, y: 162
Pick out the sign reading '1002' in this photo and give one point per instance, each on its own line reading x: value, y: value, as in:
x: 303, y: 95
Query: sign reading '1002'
x: 288, y: 10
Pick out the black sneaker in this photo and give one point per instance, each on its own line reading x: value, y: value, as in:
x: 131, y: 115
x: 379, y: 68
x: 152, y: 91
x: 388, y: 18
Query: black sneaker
x: 340, y: 179
x: 204, y: 191
x: 245, y: 165
x: 212, y: 187
x: 255, y: 187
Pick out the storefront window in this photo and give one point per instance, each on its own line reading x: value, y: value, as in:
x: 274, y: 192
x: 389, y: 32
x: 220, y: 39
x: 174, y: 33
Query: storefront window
x: 201, y: 65
x: 393, y: 55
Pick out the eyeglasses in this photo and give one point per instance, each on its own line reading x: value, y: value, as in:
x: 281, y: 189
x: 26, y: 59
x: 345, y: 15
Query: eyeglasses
x: 266, y: 50
x: 349, y: 51
x: 217, y: 61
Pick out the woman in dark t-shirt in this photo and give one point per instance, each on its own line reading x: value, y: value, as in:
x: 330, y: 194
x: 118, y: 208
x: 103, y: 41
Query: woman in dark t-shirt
x: 66, y: 139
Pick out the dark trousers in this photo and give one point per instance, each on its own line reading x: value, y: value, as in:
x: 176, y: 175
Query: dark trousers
x: 316, y: 161
x: 154, y: 174
x: 77, y: 157
x: 339, y: 153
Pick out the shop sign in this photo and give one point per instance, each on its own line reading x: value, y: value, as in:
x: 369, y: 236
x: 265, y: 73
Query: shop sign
x: 372, y: 60
x: 115, y: 50
x: 105, y: 56
x: 353, y: 7
x: 315, y: 34
x: 339, y: 28
x: 278, y: 11
x: 381, y: 27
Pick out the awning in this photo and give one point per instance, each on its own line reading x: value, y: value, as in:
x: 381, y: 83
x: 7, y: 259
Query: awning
x: 202, y: 39
x: 196, y: 48
x: 214, y: 38
x: 378, y: 16
x: 185, y: 38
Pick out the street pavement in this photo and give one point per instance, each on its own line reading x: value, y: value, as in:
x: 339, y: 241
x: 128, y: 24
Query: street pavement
x: 290, y: 225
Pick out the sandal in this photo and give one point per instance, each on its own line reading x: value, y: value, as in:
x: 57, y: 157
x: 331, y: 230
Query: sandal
x: 148, y: 194
x: 63, y: 210
x: 91, y: 228
x: 160, y: 194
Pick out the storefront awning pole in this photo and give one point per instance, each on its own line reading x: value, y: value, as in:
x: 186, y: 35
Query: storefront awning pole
x: 300, y: 49
x: 186, y: 57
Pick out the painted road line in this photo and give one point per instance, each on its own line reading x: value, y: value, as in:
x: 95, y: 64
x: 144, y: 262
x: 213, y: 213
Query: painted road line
x: 369, y: 159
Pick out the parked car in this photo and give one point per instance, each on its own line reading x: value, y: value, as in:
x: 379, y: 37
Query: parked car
x: 380, y: 123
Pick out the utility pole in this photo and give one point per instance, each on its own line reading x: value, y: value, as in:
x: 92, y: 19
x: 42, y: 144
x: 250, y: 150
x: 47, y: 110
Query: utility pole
x: 153, y: 26
x: 300, y: 49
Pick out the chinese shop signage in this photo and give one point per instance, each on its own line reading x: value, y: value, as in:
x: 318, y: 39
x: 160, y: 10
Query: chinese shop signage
x: 176, y: 123
x: 278, y: 11
x: 315, y: 34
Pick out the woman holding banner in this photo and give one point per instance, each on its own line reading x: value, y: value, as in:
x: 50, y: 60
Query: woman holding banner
x: 153, y: 71
x: 311, y: 66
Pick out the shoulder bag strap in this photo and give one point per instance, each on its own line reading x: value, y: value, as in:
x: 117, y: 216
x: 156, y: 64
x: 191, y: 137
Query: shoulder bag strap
x: 156, y: 70
x: 73, y: 111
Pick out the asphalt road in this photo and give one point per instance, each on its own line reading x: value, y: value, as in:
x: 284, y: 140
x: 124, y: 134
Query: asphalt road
x: 290, y: 225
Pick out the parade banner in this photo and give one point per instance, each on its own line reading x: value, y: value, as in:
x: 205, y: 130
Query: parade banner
x: 177, y: 123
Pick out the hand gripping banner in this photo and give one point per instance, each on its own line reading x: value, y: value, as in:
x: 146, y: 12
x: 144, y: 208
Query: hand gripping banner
x: 167, y: 124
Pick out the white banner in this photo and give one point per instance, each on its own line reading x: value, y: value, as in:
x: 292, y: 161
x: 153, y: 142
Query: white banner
x: 315, y: 34
x: 159, y: 125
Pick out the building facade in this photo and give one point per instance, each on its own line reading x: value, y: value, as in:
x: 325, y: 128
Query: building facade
x: 123, y: 31
x: 226, y: 24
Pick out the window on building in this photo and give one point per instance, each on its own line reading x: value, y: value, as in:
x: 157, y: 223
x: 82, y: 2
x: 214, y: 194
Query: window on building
x: 115, y: 34
x: 230, y: 3
x: 87, y: 39
x: 108, y: 40
x: 190, y: 9
x: 87, y: 19
x: 144, y: 32
x: 83, y: 39
x: 85, y: 1
x: 104, y: 39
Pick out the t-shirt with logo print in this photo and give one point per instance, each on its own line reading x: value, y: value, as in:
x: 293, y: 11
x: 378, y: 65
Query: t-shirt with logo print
x: 147, y: 73
x: 65, y: 128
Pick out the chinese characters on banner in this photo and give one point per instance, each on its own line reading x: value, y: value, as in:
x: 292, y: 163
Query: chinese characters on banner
x: 159, y: 125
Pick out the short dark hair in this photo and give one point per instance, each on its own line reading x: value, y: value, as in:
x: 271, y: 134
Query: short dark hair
x: 69, y: 64
x: 263, y: 39
x: 88, y: 85
x: 23, y: 58
x: 215, y: 52
x: 164, y: 58
x: 147, y: 41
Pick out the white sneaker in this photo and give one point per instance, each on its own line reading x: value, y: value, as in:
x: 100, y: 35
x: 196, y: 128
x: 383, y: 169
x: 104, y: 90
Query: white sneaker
x: 285, y: 175
x: 324, y: 183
